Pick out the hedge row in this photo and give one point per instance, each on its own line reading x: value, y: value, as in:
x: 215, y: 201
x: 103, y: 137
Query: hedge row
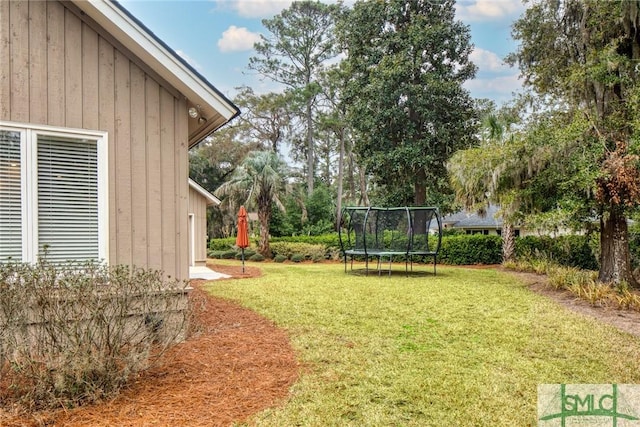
x: 570, y: 251
x: 461, y: 249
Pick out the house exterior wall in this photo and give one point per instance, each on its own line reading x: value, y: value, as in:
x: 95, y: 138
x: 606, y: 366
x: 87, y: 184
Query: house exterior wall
x: 59, y: 68
x: 198, y: 207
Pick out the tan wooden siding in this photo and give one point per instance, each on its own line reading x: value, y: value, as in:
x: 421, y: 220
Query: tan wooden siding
x: 198, y: 207
x: 58, y: 68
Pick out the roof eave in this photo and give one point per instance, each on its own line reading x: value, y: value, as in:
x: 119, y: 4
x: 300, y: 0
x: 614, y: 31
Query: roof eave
x: 211, y: 199
x: 166, y: 62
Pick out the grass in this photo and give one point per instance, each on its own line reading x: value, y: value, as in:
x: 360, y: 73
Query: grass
x: 467, y: 347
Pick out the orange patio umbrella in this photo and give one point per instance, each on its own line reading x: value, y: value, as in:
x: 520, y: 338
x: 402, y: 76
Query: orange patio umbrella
x: 242, y: 239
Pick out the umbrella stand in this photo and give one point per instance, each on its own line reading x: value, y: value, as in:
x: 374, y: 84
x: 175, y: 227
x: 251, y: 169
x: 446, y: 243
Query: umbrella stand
x: 242, y: 260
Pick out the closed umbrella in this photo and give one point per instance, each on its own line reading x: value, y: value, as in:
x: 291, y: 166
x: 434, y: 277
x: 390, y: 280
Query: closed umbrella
x: 242, y: 239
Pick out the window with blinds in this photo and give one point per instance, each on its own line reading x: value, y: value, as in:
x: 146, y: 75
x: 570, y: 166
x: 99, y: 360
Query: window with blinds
x: 53, y: 194
x: 10, y: 197
x: 67, y: 198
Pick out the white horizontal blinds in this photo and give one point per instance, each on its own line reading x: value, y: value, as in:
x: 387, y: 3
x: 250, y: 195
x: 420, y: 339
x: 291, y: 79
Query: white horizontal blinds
x: 67, y: 198
x: 10, y: 197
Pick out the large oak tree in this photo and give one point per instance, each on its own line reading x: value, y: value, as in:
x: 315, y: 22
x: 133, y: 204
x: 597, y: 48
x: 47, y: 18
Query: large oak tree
x: 407, y: 61
x: 581, y: 57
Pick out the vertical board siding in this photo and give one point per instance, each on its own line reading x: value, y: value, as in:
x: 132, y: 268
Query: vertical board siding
x: 55, y: 63
x: 19, y: 54
x: 181, y: 150
x: 138, y: 168
x: 90, y: 73
x: 154, y: 174
x: 38, y: 64
x: 61, y: 70
x: 72, y: 70
x: 106, y: 122
x: 198, y: 207
x: 5, y: 64
x: 167, y: 183
x: 122, y: 178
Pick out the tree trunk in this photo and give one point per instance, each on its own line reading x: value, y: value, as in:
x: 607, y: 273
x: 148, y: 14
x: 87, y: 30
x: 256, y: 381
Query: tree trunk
x: 310, y: 149
x: 351, y: 177
x: 264, y: 217
x: 364, y: 196
x: 615, y: 259
x: 340, y: 179
x: 420, y: 189
x: 508, y: 241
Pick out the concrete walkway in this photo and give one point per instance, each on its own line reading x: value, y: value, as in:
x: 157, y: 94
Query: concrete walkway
x: 202, y: 272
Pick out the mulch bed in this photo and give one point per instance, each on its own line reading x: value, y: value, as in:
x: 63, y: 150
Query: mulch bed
x: 236, y: 364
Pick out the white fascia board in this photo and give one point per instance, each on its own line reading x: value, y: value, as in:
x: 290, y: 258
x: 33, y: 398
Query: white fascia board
x: 213, y: 200
x: 144, y: 45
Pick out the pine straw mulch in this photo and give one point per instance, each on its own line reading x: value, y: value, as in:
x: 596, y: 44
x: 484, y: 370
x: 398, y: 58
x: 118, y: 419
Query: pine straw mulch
x: 236, y: 364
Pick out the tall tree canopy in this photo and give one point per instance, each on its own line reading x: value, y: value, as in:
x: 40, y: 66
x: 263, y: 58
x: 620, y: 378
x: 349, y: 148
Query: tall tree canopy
x: 407, y: 61
x: 581, y: 57
x: 302, y: 40
x: 266, y: 118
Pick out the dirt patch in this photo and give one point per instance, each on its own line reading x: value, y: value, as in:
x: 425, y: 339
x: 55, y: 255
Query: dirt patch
x: 625, y: 320
x: 236, y: 364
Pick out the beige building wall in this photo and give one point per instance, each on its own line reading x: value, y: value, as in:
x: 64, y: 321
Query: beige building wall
x: 59, y: 68
x: 198, y: 212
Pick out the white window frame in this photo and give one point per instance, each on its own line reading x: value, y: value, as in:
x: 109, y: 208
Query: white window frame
x: 29, y: 181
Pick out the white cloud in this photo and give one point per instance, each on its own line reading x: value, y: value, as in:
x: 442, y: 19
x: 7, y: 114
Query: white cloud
x: 189, y: 60
x: 256, y: 8
x: 488, y: 61
x: 498, y: 88
x: 235, y: 39
x: 486, y: 10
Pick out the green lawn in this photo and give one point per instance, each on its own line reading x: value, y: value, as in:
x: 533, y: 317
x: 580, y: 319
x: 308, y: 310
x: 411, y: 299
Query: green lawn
x: 467, y: 347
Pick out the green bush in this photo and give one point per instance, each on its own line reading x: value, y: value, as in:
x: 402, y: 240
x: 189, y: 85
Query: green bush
x: 215, y: 254
x: 634, y: 244
x: 308, y: 250
x: 228, y: 254
x: 470, y: 249
x: 313, y: 247
x: 248, y: 253
x: 76, y: 333
x: 570, y: 251
x: 279, y: 258
x: 297, y: 257
x: 256, y: 257
x: 329, y: 240
x: 222, y: 244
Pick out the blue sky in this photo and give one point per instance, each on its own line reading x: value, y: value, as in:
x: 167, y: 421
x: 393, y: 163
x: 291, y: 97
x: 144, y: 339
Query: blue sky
x: 216, y: 37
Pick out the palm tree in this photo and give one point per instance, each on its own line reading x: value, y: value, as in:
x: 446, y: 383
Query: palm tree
x: 486, y: 174
x: 259, y: 182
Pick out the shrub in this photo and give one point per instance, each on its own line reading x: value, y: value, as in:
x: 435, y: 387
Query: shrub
x: 222, y: 244
x: 471, y: 249
x: 216, y: 254
x: 228, y: 254
x: 75, y: 333
x: 248, y: 253
x: 256, y: 257
x: 570, y: 251
x: 307, y: 250
x: 297, y: 257
x: 279, y: 258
